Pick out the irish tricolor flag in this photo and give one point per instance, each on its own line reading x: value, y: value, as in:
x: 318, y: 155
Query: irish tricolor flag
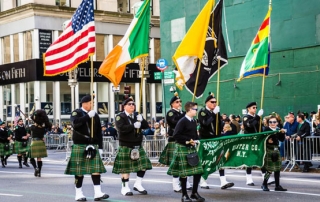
x: 133, y: 45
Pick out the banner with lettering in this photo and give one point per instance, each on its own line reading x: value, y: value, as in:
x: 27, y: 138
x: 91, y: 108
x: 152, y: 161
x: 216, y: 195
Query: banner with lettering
x: 232, y: 151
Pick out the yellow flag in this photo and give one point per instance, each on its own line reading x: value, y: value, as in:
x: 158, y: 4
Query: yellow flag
x: 192, y: 46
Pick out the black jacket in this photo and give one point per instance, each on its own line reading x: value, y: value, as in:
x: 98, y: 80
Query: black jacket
x: 208, y: 124
x: 81, y: 123
x: 251, y: 124
x: 4, y: 136
x: 185, y: 131
x: 128, y: 135
x: 173, y: 116
x: 19, y: 132
x: 275, y: 137
x: 304, y: 130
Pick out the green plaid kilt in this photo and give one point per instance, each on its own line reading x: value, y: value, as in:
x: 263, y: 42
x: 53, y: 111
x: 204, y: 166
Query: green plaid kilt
x: 179, y: 165
x: 268, y: 164
x: 19, y: 149
x: 123, y: 163
x: 37, y: 149
x: 5, y: 152
x: 79, y: 165
x: 167, y: 154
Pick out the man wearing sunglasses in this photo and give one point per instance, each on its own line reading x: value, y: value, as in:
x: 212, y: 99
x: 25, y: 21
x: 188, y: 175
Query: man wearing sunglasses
x: 251, y: 124
x: 210, y: 127
x: 173, y: 116
x: 129, y: 125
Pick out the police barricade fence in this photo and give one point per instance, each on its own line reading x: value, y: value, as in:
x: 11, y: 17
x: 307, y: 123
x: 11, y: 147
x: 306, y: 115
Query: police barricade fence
x: 306, y: 150
x: 154, y: 145
x: 57, y: 141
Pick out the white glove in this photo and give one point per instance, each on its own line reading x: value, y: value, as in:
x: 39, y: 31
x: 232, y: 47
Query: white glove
x: 216, y: 110
x: 91, y: 113
x: 139, y: 117
x: 137, y: 124
x: 260, y: 112
x: 100, y: 152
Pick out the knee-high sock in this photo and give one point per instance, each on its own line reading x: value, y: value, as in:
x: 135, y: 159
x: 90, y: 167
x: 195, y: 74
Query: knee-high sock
x: 248, y: 170
x: 39, y: 165
x: 183, y: 183
x: 78, y: 181
x: 277, y: 177
x: 196, y: 180
x: 266, y: 178
x: 96, y: 179
x: 19, y: 159
x: 221, y: 172
x: 25, y: 158
x: 33, y: 163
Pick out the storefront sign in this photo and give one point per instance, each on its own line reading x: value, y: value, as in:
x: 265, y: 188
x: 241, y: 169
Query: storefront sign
x: 45, y: 40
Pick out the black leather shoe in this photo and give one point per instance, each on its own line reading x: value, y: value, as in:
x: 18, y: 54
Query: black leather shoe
x: 228, y: 185
x: 251, y: 184
x: 197, y: 197
x: 204, y: 187
x: 26, y: 164
x: 82, y: 199
x: 36, y: 172
x: 144, y: 192
x: 186, y: 198
x: 105, y: 196
x: 280, y: 188
x: 265, y: 188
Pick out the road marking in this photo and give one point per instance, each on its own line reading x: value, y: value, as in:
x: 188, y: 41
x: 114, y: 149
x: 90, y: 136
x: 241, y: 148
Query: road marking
x: 14, y: 195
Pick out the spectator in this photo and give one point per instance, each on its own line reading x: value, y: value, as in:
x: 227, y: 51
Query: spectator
x: 303, y: 132
x: 291, y: 125
x: 148, y: 131
x: 235, y: 122
x: 227, y: 130
x: 112, y: 131
x: 233, y: 127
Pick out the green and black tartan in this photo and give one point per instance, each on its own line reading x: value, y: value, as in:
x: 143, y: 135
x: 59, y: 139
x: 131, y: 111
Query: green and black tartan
x: 123, y: 163
x: 167, y: 154
x: 19, y: 149
x: 268, y: 164
x: 79, y: 165
x: 179, y: 165
x: 37, y: 149
x: 5, y: 152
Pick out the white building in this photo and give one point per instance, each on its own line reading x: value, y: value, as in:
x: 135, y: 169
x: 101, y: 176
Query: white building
x: 28, y: 27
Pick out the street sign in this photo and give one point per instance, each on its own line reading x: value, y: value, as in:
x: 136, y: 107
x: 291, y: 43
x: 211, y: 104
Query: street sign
x: 162, y: 64
x: 169, y: 75
x: 116, y: 89
x: 157, y: 75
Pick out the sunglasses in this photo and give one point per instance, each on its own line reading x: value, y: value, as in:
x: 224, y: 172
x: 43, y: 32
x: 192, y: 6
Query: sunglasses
x: 178, y: 101
x: 131, y: 104
x: 272, y: 121
x: 213, y: 102
x: 196, y: 109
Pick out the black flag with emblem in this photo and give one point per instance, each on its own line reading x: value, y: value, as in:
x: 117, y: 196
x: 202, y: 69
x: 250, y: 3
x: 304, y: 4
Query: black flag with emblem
x: 209, y: 64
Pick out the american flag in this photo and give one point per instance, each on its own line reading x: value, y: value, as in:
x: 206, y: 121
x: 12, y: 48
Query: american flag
x: 74, y: 45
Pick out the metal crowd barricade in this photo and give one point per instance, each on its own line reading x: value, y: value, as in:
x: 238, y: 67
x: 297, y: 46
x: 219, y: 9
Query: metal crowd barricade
x: 109, y: 151
x: 52, y: 141
x: 68, y: 149
x: 154, y: 145
x: 305, y: 150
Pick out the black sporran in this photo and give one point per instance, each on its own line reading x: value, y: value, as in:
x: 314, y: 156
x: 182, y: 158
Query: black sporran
x: 274, y: 156
x: 193, y: 159
x: 6, y: 147
x: 24, y: 144
x: 90, y: 152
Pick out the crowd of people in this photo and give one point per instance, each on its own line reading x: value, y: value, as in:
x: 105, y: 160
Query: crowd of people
x: 183, y: 129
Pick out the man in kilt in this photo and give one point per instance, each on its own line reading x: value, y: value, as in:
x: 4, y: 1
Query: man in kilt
x: 172, y: 117
x: 86, y: 141
x: 21, y: 145
x: 251, y: 124
x: 5, y: 148
x: 210, y: 127
x: 185, y: 135
x: 129, y: 127
x: 272, y: 160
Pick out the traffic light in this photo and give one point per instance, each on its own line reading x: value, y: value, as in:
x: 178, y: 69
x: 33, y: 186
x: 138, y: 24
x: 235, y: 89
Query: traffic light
x: 126, y: 92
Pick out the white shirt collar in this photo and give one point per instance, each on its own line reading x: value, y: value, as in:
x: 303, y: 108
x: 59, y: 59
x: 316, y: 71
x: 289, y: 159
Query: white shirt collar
x: 189, y: 118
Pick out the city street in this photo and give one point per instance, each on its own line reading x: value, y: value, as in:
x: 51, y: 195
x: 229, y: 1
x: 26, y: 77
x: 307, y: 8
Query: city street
x: 20, y: 185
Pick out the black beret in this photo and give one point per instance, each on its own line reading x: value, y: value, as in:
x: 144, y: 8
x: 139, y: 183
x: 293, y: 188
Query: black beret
x: 127, y: 100
x: 86, y: 98
x: 251, y: 104
x: 174, y: 98
x: 211, y: 95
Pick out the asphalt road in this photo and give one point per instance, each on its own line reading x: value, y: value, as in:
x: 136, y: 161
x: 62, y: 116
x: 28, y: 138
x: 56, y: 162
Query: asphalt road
x: 19, y: 185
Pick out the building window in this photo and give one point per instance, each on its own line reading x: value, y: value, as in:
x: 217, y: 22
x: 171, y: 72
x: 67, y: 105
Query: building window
x: 63, y: 3
x: 18, y: 3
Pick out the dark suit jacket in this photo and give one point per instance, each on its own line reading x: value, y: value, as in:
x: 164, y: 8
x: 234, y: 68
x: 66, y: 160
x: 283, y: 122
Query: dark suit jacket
x: 304, y: 130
